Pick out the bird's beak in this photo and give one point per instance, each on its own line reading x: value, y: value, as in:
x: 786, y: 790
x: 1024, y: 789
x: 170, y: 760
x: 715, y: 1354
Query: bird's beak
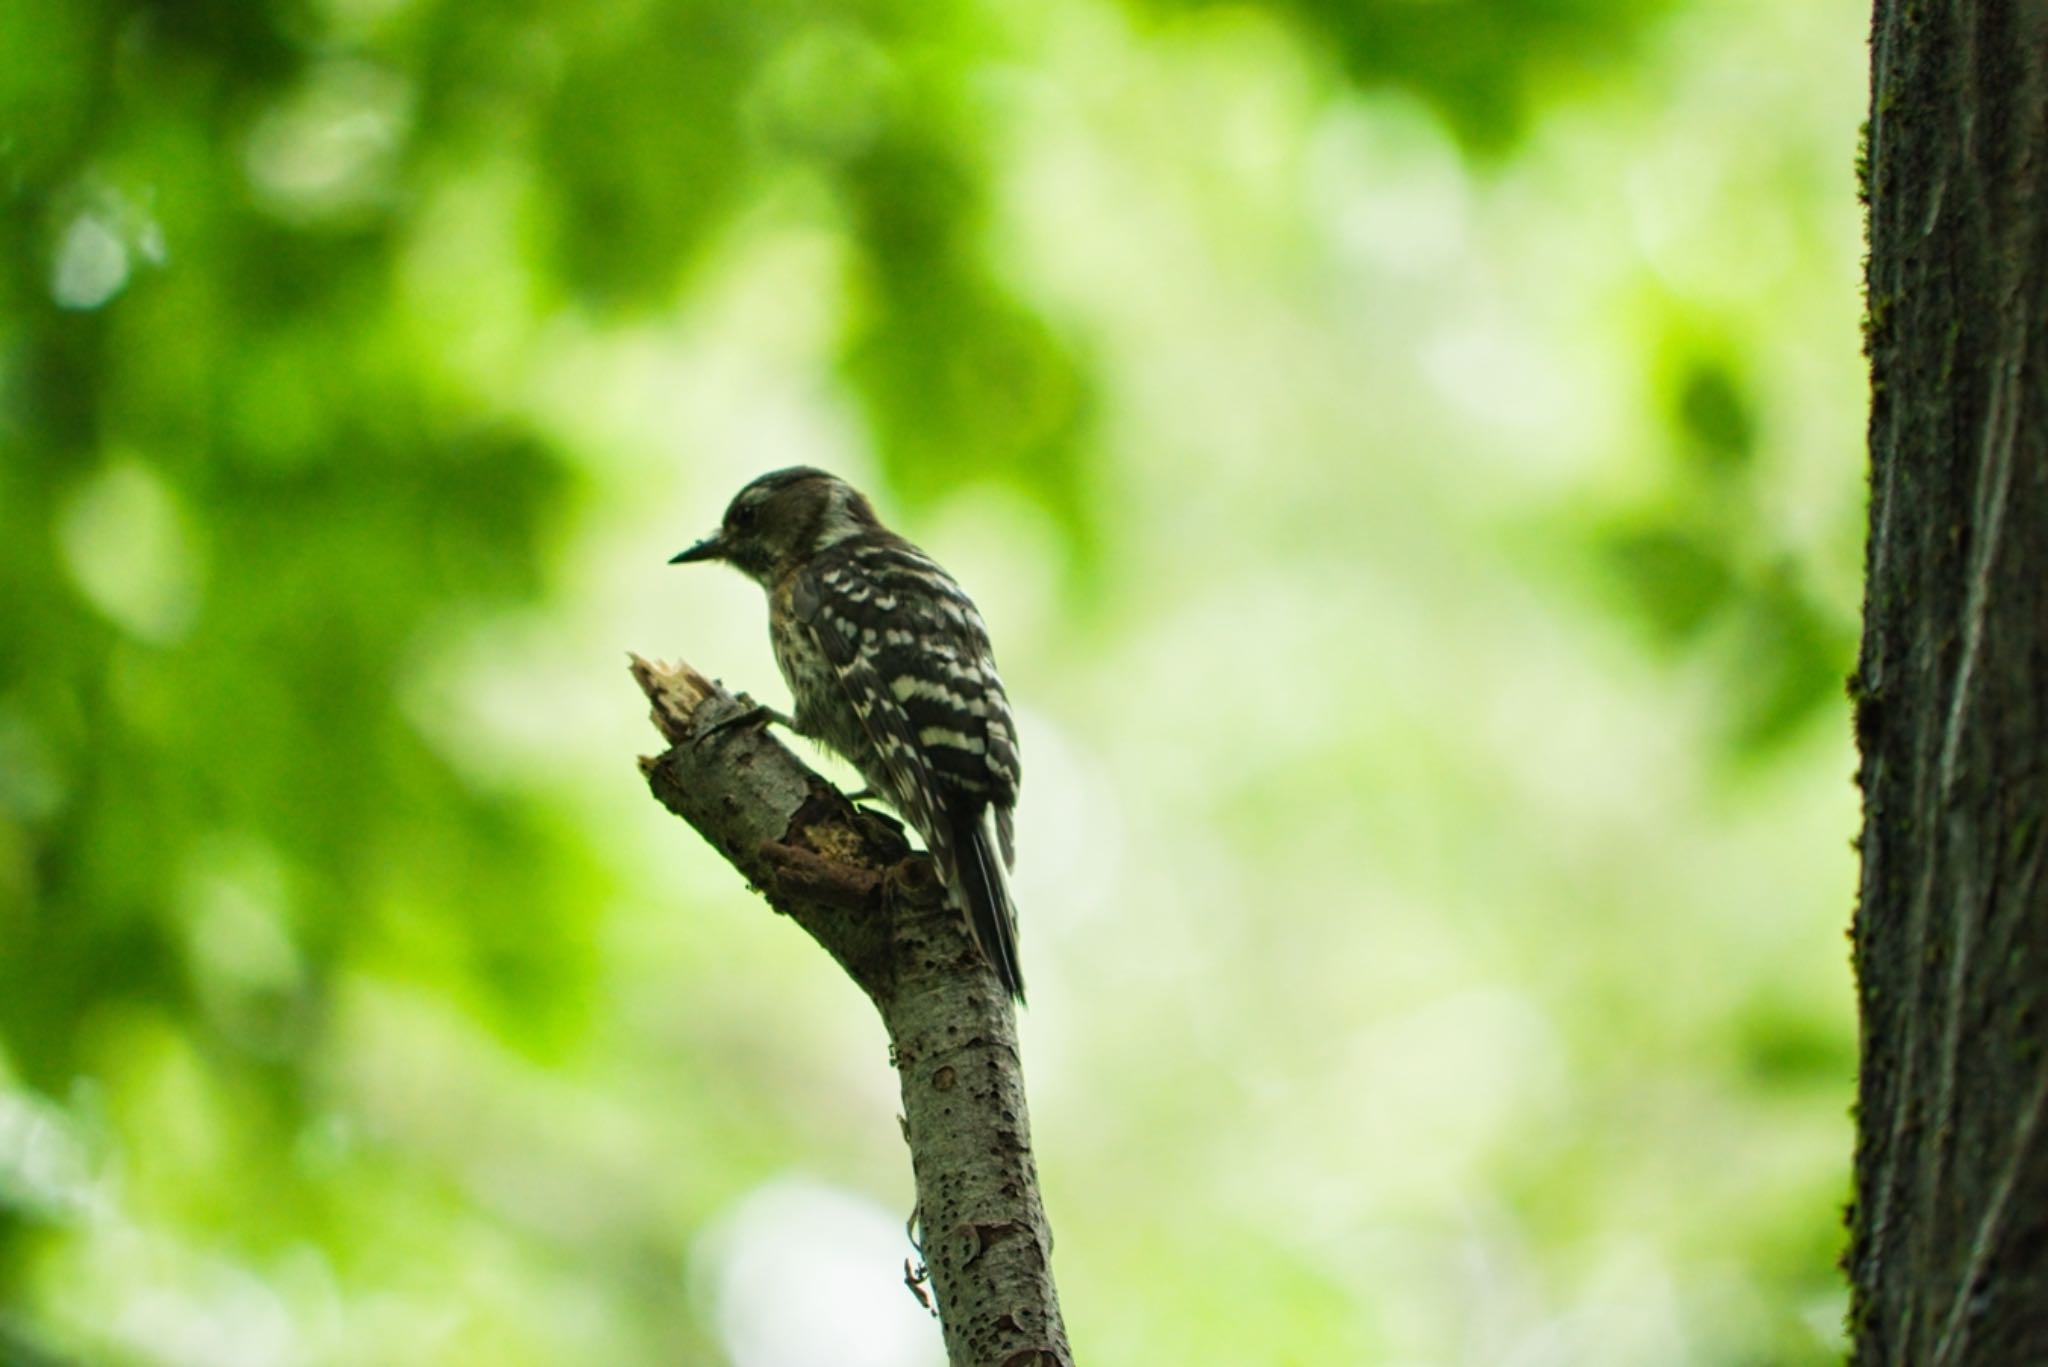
x: 710, y: 548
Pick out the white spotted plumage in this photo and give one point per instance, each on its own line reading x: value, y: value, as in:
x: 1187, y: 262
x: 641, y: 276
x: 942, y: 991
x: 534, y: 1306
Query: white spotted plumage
x: 890, y: 665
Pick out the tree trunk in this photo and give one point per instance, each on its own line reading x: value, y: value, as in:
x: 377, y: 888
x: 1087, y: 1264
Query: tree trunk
x: 1949, y: 1233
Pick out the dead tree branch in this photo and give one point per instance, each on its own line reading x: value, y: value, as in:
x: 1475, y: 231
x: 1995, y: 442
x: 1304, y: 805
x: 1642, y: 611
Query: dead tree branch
x: 851, y: 880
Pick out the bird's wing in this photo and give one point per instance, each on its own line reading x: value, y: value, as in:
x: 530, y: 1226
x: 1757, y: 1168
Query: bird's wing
x: 907, y: 782
x: 913, y: 657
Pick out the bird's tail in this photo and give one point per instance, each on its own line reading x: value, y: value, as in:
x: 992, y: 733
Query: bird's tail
x: 984, y: 893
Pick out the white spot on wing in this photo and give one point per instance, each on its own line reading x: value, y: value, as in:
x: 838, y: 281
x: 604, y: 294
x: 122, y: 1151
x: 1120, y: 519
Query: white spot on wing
x: 908, y: 686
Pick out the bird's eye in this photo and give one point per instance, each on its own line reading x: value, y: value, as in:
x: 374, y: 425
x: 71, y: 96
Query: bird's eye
x: 743, y: 518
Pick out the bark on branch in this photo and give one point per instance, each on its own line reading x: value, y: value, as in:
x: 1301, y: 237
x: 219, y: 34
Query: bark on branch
x: 851, y: 880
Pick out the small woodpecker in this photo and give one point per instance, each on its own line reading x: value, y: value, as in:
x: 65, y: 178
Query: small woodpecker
x: 890, y: 666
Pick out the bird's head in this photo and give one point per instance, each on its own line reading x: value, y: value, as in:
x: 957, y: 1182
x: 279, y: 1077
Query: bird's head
x: 781, y: 520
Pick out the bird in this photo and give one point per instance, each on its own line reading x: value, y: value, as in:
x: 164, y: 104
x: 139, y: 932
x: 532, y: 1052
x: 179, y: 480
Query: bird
x: 890, y: 666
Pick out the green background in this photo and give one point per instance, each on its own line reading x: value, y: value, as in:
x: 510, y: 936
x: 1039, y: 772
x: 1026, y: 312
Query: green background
x: 1408, y: 454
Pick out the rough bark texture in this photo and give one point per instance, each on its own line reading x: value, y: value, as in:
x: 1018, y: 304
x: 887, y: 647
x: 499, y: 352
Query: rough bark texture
x: 1949, y: 1233
x: 850, y: 879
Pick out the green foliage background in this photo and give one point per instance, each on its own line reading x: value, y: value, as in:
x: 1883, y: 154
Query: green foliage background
x: 1408, y: 454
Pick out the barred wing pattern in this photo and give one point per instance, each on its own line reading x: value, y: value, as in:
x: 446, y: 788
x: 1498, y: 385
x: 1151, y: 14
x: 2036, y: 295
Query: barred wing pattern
x: 911, y: 657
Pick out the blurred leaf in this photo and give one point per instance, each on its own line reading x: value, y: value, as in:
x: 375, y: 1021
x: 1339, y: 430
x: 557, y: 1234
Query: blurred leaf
x: 641, y: 144
x: 1789, y: 658
x: 1672, y: 579
x: 1785, y: 1042
x: 48, y: 52
x: 1485, y: 66
x: 1715, y: 412
x: 960, y: 380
